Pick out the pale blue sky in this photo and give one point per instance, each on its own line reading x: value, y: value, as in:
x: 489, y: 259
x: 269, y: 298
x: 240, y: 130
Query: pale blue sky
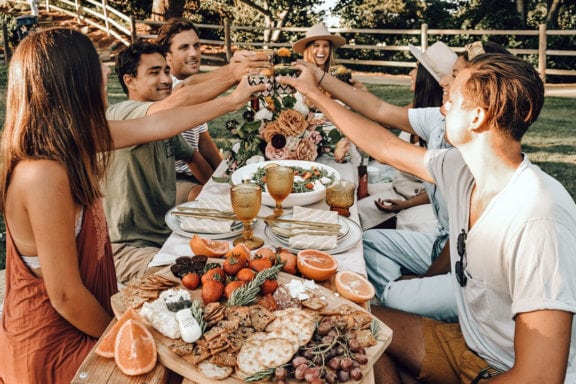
x: 331, y: 21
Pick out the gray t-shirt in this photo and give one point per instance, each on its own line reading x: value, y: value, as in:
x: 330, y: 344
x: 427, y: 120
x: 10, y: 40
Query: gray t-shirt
x: 519, y: 254
x: 141, y: 184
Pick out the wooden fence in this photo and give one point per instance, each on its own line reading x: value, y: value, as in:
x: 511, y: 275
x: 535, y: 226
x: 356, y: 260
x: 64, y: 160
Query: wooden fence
x: 124, y: 28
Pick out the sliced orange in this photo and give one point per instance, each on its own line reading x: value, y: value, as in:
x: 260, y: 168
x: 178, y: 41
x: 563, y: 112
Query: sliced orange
x: 239, y: 250
x: 105, y: 347
x: 135, y: 349
x: 208, y: 247
x: 316, y: 265
x: 354, y: 286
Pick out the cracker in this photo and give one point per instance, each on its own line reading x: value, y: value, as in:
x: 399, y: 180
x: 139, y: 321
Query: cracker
x: 246, y: 359
x: 224, y: 359
x: 260, y: 317
x: 285, y: 334
x: 213, y: 371
x: 274, y: 352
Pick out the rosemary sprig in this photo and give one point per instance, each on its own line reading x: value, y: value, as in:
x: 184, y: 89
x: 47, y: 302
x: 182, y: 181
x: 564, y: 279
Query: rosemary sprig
x: 374, y: 328
x: 265, y: 374
x: 246, y: 294
x: 198, y: 314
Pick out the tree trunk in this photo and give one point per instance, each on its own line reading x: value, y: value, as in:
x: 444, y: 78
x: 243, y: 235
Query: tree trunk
x: 552, y: 16
x: 163, y: 10
x: 522, y: 8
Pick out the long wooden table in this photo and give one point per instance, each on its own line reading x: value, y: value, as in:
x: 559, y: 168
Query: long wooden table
x: 96, y: 369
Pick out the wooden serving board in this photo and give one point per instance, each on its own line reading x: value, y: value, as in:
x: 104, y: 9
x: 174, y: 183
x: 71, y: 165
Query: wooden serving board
x: 180, y: 366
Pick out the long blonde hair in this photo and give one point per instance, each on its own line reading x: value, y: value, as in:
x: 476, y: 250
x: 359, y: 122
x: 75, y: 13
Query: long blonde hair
x: 55, y: 109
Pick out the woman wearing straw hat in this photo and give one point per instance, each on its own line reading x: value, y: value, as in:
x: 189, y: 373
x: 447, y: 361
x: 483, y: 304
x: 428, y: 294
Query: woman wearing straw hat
x: 318, y: 46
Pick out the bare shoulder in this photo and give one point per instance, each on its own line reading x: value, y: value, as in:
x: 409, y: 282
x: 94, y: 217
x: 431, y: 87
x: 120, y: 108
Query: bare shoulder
x: 39, y: 174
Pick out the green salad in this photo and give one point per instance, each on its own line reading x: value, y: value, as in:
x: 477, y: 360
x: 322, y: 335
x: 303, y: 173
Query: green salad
x: 305, y: 179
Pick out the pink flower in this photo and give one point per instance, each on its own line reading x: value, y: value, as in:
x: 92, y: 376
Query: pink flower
x: 272, y: 153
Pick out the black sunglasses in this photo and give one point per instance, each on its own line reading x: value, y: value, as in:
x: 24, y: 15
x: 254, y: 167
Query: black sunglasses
x: 461, y: 247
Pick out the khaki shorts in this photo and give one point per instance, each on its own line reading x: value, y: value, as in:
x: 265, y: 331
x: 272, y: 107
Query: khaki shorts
x: 448, y: 359
x: 131, y: 262
x: 183, y: 188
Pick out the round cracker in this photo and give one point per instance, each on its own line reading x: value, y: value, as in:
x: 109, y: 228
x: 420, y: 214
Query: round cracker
x: 275, y: 352
x: 246, y: 358
x: 285, y: 334
x: 214, y: 371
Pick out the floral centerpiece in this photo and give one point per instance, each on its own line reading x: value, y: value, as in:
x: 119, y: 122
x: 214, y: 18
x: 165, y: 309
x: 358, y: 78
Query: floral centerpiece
x: 279, y: 127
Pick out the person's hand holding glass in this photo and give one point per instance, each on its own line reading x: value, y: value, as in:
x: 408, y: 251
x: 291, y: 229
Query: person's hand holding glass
x: 246, y: 202
x: 279, y: 182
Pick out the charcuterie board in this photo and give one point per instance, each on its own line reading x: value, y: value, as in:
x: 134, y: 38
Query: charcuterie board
x: 179, y: 365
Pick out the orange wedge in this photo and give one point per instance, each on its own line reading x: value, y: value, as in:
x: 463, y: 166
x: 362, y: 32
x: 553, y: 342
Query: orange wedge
x: 354, y: 287
x: 208, y: 247
x: 316, y: 265
x: 135, y: 349
x: 105, y: 347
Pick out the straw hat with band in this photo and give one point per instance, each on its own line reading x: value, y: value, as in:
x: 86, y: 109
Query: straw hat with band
x: 438, y: 59
x: 318, y: 32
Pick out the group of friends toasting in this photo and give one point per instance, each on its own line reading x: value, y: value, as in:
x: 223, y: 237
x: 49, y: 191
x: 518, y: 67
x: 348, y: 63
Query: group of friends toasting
x: 84, y: 189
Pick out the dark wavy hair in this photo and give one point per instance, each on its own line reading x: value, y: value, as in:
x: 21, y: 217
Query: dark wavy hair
x: 128, y: 59
x: 55, y: 110
x: 173, y: 27
x: 427, y: 91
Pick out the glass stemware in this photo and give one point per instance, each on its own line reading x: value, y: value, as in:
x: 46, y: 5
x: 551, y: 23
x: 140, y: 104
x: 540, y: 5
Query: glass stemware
x: 340, y: 196
x: 279, y: 183
x: 246, y: 202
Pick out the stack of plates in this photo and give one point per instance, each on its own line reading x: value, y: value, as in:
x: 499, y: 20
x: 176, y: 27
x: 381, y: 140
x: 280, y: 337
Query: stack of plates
x: 350, y: 234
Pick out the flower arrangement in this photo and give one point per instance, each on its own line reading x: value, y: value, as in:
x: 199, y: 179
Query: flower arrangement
x: 278, y: 127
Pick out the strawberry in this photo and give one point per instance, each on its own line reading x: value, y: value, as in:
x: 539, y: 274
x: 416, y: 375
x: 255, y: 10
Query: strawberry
x: 245, y: 274
x: 212, y: 291
x: 267, y: 252
x: 288, y: 260
x: 268, y: 287
x: 260, y: 263
x: 191, y: 280
x: 231, y: 287
x: 233, y: 264
x: 214, y: 274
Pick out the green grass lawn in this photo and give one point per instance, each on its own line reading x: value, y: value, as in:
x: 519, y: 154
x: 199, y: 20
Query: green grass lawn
x: 550, y: 142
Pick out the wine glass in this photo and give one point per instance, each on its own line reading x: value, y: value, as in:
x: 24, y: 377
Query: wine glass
x: 246, y: 202
x: 279, y: 183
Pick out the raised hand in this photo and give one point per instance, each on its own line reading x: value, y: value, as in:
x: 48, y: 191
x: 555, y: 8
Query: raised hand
x: 243, y: 62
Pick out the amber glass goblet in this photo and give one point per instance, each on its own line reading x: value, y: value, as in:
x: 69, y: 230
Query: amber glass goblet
x: 279, y: 183
x: 340, y: 196
x: 246, y: 202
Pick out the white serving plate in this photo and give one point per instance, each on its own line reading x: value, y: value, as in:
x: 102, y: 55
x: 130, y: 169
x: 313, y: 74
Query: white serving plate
x: 301, y: 199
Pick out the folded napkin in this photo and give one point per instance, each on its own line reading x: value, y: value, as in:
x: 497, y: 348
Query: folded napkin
x: 199, y: 225
x: 310, y: 241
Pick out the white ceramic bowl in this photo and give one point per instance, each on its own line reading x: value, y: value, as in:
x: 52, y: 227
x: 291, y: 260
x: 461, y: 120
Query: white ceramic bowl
x: 300, y: 199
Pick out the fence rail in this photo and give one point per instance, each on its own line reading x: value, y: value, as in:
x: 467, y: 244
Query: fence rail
x: 124, y: 28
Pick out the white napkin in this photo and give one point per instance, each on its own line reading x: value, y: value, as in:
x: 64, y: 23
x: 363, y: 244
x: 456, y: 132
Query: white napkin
x: 198, y: 225
x: 311, y: 241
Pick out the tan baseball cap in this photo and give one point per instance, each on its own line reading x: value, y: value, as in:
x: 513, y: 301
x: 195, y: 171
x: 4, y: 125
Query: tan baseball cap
x: 438, y: 59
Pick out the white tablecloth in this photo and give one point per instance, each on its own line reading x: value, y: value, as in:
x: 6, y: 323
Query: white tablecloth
x: 351, y: 260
